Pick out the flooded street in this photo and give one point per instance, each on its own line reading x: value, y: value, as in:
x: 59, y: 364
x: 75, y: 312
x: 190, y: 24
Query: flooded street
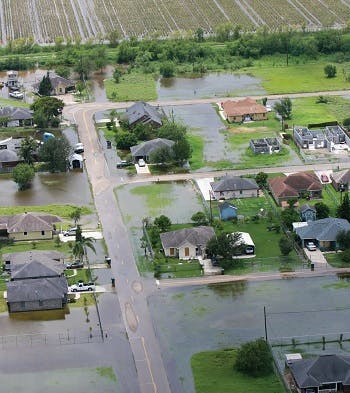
x: 208, y: 85
x: 224, y: 316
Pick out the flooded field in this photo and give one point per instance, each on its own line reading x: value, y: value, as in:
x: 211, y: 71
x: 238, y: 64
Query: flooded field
x: 208, y: 85
x: 221, y: 316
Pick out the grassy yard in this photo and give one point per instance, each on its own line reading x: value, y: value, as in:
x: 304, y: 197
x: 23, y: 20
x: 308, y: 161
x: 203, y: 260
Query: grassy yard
x: 37, y: 245
x: 247, y: 207
x: 214, y: 372
x: 132, y: 87
x: 299, y: 78
x: 156, y: 195
x: 251, y: 160
x: 63, y: 211
x: 197, y: 144
x: 334, y: 259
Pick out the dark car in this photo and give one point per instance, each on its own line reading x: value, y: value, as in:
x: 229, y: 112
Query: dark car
x: 123, y: 163
x: 75, y: 265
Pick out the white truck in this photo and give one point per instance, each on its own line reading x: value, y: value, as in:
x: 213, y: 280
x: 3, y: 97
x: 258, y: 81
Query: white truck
x: 82, y: 287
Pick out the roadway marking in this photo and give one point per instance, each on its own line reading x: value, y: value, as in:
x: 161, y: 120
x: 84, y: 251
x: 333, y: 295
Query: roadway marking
x: 148, y: 364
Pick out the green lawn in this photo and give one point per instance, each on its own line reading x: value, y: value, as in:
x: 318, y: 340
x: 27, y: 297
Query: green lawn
x: 197, y: 144
x: 247, y: 207
x: 39, y: 245
x: 334, y: 259
x: 58, y: 210
x: 306, y: 111
x: 214, y: 372
x: 306, y: 77
x: 156, y: 195
x: 251, y: 160
x: 132, y: 87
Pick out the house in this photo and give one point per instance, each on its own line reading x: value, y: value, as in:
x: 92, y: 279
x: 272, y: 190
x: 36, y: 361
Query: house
x: 340, y: 180
x: 28, y: 226
x: 227, y: 211
x: 307, y: 213
x: 145, y: 149
x: 322, y: 232
x: 301, y: 184
x: 59, y: 85
x: 9, y: 159
x: 44, y: 256
x: 187, y: 243
x: 12, y: 80
x: 142, y: 112
x: 16, y: 117
x: 234, y: 187
x: 37, y: 268
x: 243, y: 110
x: 265, y: 145
x: 326, y: 373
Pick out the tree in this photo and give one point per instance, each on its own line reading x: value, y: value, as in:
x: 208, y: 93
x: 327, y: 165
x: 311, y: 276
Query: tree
x: 117, y: 75
x: 199, y: 218
x: 343, y: 239
x: 261, y: 179
x: 330, y: 70
x: 285, y: 245
x: 83, y: 66
x: 163, y: 223
x: 79, y: 247
x: 225, y: 245
x: 125, y: 140
x: 162, y: 155
x: 288, y: 216
x: 23, y: 174
x: 167, y: 69
x: 322, y: 210
x: 48, y: 107
x: 199, y: 35
x: 172, y: 130
x: 27, y: 149
x: 75, y: 215
x: 182, y: 150
x: 343, y: 210
x: 63, y: 71
x: 45, y: 86
x: 55, y: 152
x: 113, y: 38
x: 254, y: 358
x: 346, y: 123
x: 284, y: 108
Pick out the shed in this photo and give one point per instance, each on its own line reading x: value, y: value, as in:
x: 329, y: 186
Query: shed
x: 227, y: 211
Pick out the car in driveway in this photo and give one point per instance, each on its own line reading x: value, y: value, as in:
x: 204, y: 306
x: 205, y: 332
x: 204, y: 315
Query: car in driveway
x: 79, y: 148
x: 82, y: 287
x: 123, y: 164
x: 324, y: 178
x: 78, y: 264
x: 16, y: 94
x: 70, y: 232
x: 141, y: 162
x: 311, y: 246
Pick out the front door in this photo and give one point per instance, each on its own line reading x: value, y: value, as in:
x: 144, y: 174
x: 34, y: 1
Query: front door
x: 187, y: 251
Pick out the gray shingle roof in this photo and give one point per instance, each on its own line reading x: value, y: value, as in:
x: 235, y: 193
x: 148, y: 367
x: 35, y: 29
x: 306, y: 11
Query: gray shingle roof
x: 195, y: 236
x: 306, y: 207
x: 16, y: 113
x: 36, y: 289
x: 234, y: 183
x: 145, y: 149
x: 36, y: 269
x: 8, y: 156
x: 323, y: 369
x: 30, y: 222
x: 141, y: 109
x: 325, y: 229
x: 17, y: 258
x: 342, y: 176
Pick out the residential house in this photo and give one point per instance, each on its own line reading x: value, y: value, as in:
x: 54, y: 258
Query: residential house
x: 227, y: 211
x: 265, y: 145
x: 234, y: 187
x: 12, y: 80
x: 9, y: 159
x: 44, y: 256
x: 326, y: 373
x: 340, y: 180
x: 307, y: 213
x: 322, y: 232
x: 145, y: 149
x: 243, y: 110
x: 59, y: 85
x: 187, y: 243
x: 28, y: 226
x: 37, y: 285
x: 142, y: 112
x: 16, y: 116
x: 301, y: 184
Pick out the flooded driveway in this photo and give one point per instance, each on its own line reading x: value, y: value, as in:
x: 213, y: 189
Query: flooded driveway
x: 208, y: 85
x: 191, y: 320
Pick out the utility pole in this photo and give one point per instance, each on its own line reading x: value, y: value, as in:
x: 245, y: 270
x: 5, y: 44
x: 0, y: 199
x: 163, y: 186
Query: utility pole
x: 265, y: 323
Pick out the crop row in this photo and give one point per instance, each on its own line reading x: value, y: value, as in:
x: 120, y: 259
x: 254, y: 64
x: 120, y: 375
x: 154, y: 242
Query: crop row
x: 44, y: 20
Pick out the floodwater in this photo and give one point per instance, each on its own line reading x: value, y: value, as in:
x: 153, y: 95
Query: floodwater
x: 222, y: 316
x: 208, y: 85
x: 98, y: 89
x: 203, y: 120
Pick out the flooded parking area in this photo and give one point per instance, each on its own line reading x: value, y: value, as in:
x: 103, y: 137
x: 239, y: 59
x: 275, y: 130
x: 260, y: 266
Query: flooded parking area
x: 208, y: 85
x: 226, y: 315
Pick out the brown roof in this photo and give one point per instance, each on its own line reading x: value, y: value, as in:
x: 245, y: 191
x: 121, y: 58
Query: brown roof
x: 242, y: 107
x: 280, y: 189
x: 29, y: 222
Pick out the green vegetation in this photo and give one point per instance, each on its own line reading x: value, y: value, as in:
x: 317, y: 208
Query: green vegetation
x: 156, y: 195
x: 197, y: 144
x: 132, y: 87
x: 106, y: 372
x: 214, y: 372
x: 75, y: 275
x: 64, y: 211
x: 251, y: 160
x: 37, y: 245
x: 85, y: 300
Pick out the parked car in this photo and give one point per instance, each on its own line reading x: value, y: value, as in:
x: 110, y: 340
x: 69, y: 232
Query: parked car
x: 311, y: 246
x: 142, y: 162
x: 324, y: 178
x: 123, y: 163
x: 78, y: 264
x: 16, y: 94
x: 81, y: 287
x: 79, y: 148
x: 249, y: 250
x: 70, y: 232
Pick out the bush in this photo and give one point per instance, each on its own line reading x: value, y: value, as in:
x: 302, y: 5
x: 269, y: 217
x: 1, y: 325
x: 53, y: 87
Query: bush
x: 254, y: 358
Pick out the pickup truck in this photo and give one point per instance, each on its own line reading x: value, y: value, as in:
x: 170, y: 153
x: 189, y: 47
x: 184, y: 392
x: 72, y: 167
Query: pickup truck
x: 82, y: 287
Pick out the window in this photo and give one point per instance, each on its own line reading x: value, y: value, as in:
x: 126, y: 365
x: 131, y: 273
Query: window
x: 42, y: 233
x: 25, y: 233
x: 41, y: 303
x: 172, y: 251
x: 23, y: 305
x: 240, y: 192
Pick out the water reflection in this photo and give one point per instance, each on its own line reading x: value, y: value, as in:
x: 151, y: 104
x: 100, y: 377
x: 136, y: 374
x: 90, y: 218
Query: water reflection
x: 232, y: 291
x: 45, y: 315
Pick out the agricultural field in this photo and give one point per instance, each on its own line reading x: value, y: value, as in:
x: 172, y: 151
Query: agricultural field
x: 44, y: 20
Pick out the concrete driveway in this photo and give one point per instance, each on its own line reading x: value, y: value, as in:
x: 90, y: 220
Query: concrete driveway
x: 94, y: 234
x: 142, y: 170
x: 316, y: 257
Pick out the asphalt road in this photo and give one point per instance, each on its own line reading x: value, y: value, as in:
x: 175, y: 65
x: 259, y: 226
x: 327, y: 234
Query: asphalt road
x: 132, y: 295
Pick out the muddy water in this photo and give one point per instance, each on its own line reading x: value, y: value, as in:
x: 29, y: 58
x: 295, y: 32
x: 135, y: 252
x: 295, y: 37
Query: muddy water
x: 222, y: 316
x: 209, y: 85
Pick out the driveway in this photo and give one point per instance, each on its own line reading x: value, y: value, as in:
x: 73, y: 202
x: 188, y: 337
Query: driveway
x: 316, y: 257
x: 142, y: 170
x: 94, y: 234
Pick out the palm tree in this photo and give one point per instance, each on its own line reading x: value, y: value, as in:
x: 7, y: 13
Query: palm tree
x: 76, y: 215
x: 80, y: 246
